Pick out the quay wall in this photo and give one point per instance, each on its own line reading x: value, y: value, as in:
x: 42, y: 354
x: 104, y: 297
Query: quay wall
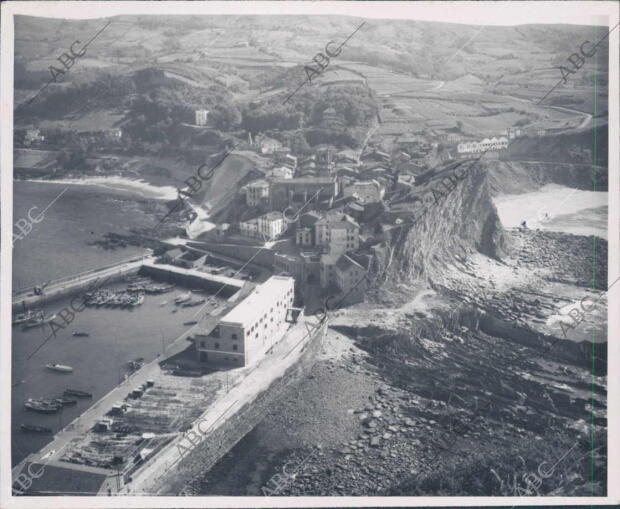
x: 218, y: 442
x: 87, y: 282
x: 263, y: 257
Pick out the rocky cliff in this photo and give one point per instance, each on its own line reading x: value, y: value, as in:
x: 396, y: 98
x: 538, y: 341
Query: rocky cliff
x: 451, y: 217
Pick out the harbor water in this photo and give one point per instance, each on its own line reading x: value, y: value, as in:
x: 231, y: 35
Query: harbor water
x: 59, y: 246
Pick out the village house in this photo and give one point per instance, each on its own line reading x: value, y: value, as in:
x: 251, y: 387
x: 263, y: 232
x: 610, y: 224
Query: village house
x: 337, y: 233
x: 249, y: 330
x: 283, y: 192
x: 256, y: 192
x: 271, y: 225
x: 249, y: 228
x: 365, y: 191
x: 268, y: 145
x: 350, y: 278
x: 281, y: 172
x: 32, y: 136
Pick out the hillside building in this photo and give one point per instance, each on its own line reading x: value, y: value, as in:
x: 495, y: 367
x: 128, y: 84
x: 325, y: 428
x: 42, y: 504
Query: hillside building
x: 365, y: 191
x: 256, y: 192
x: 201, y: 117
x: 268, y: 226
x: 248, y: 331
x: 337, y: 233
x: 284, y: 192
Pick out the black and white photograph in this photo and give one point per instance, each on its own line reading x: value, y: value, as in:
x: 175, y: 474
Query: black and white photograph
x: 258, y: 253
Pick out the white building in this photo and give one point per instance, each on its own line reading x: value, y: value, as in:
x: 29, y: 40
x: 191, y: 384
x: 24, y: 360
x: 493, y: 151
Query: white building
x: 248, y: 331
x: 268, y: 226
x: 271, y: 225
x: 201, y: 117
x: 281, y: 172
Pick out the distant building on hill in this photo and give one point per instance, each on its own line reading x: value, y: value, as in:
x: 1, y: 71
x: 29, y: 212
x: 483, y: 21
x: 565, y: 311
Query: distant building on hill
x: 201, y: 117
x: 284, y: 191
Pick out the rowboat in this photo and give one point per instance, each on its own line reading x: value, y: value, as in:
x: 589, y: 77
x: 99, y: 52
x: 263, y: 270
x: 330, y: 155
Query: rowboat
x: 193, y: 302
x: 191, y: 322
x: 35, y: 429
x: 81, y: 334
x: 59, y: 367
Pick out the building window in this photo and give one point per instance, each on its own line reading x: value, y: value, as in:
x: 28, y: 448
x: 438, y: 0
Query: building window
x: 216, y: 345
x: 235, y: 348
x: 202, y: 344
x: 233, y: 336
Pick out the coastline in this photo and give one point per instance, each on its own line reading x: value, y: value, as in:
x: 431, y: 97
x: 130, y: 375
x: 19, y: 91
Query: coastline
x: 117, y: 183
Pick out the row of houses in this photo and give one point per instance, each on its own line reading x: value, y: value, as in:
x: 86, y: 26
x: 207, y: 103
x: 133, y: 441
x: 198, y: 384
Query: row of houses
x: 471, y: 147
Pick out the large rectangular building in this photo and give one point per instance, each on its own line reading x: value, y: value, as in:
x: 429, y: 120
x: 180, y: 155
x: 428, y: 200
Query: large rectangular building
x: 251, y: 328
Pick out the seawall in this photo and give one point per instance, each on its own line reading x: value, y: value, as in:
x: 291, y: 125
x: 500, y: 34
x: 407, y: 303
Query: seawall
x: 217, y: 443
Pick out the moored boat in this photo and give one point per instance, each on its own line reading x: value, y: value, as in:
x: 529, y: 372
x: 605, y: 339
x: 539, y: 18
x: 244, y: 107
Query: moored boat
x: 65, y: 401
x: 191, y: 322
x: 77, y: 393
x: 59, y: 367
x: 184, y: 297
x: 35, y: 429
x: 42, y: 406
x: 81, y: 334
x: 193, y: 302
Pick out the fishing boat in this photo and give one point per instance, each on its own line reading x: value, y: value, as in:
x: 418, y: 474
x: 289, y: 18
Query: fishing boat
x: 184, y: 297
x: 41, y: 406
x: 59, y: 367
x: 27, y: 316
x: 65, y: 401
x: 35, y: 429
x: 193, y: 302
x: 77, y: 393
x: 81, y: 334
x: 38, y: 321
x: 191, y: 322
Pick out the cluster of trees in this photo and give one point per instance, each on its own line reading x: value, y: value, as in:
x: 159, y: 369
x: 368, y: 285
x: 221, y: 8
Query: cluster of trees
x: 313, y: 116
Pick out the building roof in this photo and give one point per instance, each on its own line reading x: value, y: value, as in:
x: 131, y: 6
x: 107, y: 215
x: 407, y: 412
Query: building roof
x: 263, y: 296
x: 259, y: 183
x: 345, y: 263
x: 338, y: 219
x: 307, y: 180
x: 272, y: 216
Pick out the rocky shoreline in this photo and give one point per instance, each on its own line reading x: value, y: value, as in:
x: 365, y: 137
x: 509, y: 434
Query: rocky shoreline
x: 423, y: 400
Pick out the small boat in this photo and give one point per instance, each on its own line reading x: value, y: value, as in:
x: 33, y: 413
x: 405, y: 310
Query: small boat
x: 65, y: 401
x: 59, y: 367
x: 161, y: 304
x: 193, y: 302
x: 77, y: 393
x: 81, y: 334
x: 184, y: 297
x: 191, y: 322
x: 35, y: 429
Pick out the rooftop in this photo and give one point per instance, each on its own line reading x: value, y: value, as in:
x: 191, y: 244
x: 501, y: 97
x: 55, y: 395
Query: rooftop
x: 262, y: 297
x: 306, y: 180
